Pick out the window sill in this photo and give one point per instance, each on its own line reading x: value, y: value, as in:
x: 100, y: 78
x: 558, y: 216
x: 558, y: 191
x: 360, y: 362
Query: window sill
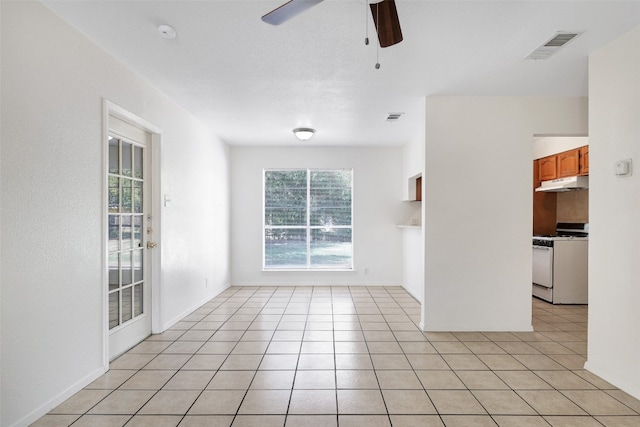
x: 307, y: 270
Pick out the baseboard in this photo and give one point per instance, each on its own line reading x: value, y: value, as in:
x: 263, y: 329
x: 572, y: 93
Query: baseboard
x: 413, y: 294
x: 323, y: 283
x: 43, y: 409
x: 215, y: 292
x: 620, y: 382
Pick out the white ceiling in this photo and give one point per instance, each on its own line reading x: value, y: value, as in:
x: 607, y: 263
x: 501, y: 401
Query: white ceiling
x: 252, y: 83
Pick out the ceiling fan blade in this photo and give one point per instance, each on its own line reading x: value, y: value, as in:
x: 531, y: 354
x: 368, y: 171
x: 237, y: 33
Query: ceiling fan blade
x: 288, y: 11
x: 385, y: 16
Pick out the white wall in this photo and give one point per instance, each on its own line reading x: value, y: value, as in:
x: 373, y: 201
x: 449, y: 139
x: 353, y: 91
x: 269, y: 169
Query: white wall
x: 478, y: 206
x: 614, y: 212
x: 53, y: 84
x: 377, y: 208
x: 550, y: 145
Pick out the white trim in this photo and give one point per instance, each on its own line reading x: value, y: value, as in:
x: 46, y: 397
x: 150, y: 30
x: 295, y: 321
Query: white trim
x: 215, y: 292
x: 111, y: 109
x: 613, y: 378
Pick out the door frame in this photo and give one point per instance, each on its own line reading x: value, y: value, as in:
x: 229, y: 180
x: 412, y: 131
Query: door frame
x: 154, y: 274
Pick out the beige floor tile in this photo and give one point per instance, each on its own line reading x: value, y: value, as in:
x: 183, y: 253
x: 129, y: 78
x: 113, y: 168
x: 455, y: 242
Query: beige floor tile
x: 364, y: 420
x: 483, y: 347
x: 227, y: 336
x: 208, y: 362
x: 597, y: 402
x: 418, y: 347
x: 522, y: 380
x: 148, y: 380
x: 122, y: 402
x: 416, y: 420
x: 217, y: 347
x: 625, y: 398
x: 503, y: 402
x: 464, y: 362
x: 440, y: 380
x: 265, y: 402
x: 520, y: 421
x: 273, y: 380
x: 350, y: 347
x: 165, y: 336
x: 206, y: 421
x: 189, y: 380
x: 257, y: 336
x: 390, y: 361
x: 317, y: 347
x: 111, y: 380
x: 573, y: 421
x: 250, y: 347
x: 356, y: 379
x: 360, y: 402
x: 80, y: 402
x: 311, y: 421
x: 217, y: 402
x: 279, y: 362
x: 289, y: 335
x: 564, y: 380
x: 316, y: 361
x: 102, y: 420
x: 375, y: 326
x: 231, y: 380
x: 238, y: 362
x: 348, y: 336
x: 168, y: 362
x: 550, y: 402
x: 50, y: 420
x: 408, y: 402
x: 538, y: 362
x: 155, y: 347
x: 427, y: 361
x: 170, y: 402
x: 455, y: 402
x: 450, y: 347
x: 501, y: 362
x: 481, y: 380
x: 620, y: 421
x: 570, y: 361
x: 313, y: 402
x: 468, y: 421
x: 384, y: 347
x: 284, y: 347
x: 258, y: 421
x: 131, y: 361
x: 318, y: 336
x: 353, y: 361
x: 398, y: 379
x: 517, y: 347
x: 197, y: 335
x: 183, y: 347
x: 315, y: 380
x: 379, y: 336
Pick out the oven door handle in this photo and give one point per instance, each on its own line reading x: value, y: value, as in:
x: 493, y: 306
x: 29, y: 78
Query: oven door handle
x: 542, y: 248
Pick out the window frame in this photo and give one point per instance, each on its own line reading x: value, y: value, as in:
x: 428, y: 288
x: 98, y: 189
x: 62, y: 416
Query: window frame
x: 308, y: 227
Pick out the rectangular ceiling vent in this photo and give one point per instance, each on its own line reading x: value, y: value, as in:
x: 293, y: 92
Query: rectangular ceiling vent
x: 392, y: 117
x: 553, y: 45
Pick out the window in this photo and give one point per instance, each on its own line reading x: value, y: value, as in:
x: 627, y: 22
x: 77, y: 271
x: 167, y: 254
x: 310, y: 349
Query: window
x: 307, y: 219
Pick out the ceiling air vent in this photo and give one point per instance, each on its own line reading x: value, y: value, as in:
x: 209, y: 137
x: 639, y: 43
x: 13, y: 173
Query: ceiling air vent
x: 392, y: 117
x: 553, y: 45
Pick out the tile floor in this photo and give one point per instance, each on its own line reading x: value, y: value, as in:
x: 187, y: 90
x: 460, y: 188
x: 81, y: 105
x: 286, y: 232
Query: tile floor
x: 340, y: 356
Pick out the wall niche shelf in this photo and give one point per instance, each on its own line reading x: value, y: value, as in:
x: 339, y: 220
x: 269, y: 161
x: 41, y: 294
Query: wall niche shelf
x: 415, y: 188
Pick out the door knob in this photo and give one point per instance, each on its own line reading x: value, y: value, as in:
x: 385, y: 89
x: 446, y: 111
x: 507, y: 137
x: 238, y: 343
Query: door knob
x: 151, y: 245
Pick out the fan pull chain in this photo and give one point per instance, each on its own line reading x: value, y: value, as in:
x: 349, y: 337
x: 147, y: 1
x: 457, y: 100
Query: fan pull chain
x: 377, y: 44
x: 366, y: 23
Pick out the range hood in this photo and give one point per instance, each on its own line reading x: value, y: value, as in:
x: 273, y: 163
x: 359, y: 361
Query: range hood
x: 565, y: 184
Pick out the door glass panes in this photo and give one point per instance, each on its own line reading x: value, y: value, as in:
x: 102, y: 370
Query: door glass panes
x: 126, y: 222
x: 137, y: 162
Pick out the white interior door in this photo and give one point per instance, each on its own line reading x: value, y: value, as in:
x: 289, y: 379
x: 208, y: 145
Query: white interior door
x: 129, y: 232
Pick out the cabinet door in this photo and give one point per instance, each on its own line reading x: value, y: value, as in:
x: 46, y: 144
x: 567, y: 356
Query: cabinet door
x: 584, y: 160
x: 569, y: 163
x: 547, y: 168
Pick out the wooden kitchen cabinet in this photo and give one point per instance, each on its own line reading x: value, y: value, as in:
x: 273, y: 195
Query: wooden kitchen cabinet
x: 547, y: 168
x: 544, y: 206
x: 584, y: 160
x: 568, y: 163
x: 419, y: 189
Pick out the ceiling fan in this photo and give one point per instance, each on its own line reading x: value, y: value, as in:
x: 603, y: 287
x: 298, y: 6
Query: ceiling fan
x: 385, y: 17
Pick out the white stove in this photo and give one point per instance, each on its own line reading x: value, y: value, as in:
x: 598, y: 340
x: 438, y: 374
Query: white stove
x: 560, y: 273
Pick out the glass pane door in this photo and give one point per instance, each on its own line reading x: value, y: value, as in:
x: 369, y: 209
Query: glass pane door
x: 126, y: 222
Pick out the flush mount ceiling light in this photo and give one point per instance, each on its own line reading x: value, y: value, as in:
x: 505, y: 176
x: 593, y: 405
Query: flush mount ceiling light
x: 167, y: 31
x: 304, y: 134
